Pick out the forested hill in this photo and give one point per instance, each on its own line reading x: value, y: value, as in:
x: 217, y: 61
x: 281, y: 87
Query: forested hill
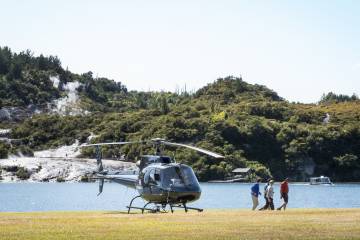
x: 249, y: 124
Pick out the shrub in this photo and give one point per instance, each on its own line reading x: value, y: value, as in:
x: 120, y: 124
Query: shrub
x: 60, y: 179
x: 84, y: 179
x: 3, y: 150
x: 23, y: 173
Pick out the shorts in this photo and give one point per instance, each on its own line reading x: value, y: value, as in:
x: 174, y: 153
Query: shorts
x: 285, y: 197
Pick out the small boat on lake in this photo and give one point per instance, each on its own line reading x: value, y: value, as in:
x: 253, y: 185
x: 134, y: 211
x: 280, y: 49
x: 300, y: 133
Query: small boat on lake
x: 320, y: 181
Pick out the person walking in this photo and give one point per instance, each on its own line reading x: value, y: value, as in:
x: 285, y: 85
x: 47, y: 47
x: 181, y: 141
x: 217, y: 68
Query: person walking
x: 266, y: 206
x: 255, y: 192
x: 270, y: 194
x: 284, y: 193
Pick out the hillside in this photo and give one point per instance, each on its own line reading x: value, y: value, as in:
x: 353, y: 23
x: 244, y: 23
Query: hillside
x: 250, y: 124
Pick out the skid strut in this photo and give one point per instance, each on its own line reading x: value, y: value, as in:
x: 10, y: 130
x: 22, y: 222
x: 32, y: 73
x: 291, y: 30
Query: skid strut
x: 130, y: 206
x: 144, y: 208
x: 185, y: 207
x: 153, y: 210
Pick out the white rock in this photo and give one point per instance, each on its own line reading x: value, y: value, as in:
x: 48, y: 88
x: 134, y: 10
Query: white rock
x: 48, y: 165
x: 55, y: 80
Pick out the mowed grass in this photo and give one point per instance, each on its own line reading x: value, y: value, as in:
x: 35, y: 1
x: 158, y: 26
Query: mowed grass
x: 210, y: 224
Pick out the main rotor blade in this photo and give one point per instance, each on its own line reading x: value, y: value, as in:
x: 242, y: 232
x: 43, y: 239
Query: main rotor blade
x: 80, y: 159
x: 109, y: 143
x: 215, y: 155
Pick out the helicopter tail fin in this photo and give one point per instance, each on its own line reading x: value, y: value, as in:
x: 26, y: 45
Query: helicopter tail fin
x: 101, y: 185
x: 100, y: 168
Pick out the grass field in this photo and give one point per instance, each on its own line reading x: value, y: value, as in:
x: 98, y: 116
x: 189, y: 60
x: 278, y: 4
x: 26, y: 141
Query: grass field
x: 213, y: 224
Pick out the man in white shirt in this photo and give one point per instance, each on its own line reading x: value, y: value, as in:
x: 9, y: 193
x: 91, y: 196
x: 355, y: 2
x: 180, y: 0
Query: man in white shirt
x: 266, y: 206
x: 270, y: 195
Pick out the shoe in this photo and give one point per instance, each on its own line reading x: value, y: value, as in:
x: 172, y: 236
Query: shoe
x: 278, y: 209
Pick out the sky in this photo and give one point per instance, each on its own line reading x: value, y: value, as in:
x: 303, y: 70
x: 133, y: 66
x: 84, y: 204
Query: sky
x: 300, y: 49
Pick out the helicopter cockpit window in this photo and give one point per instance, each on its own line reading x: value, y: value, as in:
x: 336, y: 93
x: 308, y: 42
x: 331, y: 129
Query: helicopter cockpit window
x: 171, y: 177
x: 179, y: 176
x: 157, y: 177
x: 188, y: 175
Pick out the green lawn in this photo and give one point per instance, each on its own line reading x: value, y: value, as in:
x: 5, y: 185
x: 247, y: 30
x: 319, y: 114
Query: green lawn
x: 211, y: 224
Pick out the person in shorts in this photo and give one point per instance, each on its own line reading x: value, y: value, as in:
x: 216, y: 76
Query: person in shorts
x: 255, y: 192
x: 284, y: 193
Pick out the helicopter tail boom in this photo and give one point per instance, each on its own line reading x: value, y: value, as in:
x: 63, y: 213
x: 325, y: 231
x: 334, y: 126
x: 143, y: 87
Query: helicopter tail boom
x: 126, y: 180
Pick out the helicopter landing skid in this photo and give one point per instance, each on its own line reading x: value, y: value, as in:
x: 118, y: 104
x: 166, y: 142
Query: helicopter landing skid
x: 160, y: 208
x: 155, y: 209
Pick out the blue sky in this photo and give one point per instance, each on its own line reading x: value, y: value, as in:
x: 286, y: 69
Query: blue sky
x: 300, y: 49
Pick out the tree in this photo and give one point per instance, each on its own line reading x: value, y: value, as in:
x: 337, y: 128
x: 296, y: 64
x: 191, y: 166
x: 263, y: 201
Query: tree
x: 5, y: 60
x: 164, y: 107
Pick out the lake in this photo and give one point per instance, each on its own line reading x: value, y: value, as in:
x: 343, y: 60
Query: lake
x: 26, y: 197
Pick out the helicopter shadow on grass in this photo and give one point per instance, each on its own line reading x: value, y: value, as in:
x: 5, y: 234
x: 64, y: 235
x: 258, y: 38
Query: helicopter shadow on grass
x: 121, y: 212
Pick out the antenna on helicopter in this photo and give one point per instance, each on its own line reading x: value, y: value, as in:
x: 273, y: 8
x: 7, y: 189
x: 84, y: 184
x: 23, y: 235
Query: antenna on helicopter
x: 174, y: 154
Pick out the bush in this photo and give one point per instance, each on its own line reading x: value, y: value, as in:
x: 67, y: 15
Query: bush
x: 4, y: 150
x: 26, y: 151
x: 60, y: 179
x: 85, y: 178
x: 23, y: 173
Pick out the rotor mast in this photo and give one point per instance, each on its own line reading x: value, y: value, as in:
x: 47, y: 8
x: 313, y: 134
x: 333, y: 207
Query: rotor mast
x: 158, y: 145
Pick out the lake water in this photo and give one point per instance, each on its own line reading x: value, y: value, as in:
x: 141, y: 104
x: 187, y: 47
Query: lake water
x: 82, y: 196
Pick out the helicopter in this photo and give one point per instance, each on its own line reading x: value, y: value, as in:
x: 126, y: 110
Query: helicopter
x: 160, y: 181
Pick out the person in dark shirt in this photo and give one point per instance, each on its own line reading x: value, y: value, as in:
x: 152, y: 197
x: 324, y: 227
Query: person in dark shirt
x: 284, y: 193
x: 255, y: 192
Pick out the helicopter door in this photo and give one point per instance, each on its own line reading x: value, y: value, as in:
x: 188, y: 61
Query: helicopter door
x: 152, y: 177
x: 155, y: 177
x: 151, y: 189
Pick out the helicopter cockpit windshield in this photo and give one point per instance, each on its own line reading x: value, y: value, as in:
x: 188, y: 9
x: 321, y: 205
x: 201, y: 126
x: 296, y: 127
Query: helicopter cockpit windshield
x: 178, y: 176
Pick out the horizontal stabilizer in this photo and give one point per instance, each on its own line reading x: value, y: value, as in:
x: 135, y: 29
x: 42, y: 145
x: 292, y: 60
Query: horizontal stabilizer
x: 126, y: 180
